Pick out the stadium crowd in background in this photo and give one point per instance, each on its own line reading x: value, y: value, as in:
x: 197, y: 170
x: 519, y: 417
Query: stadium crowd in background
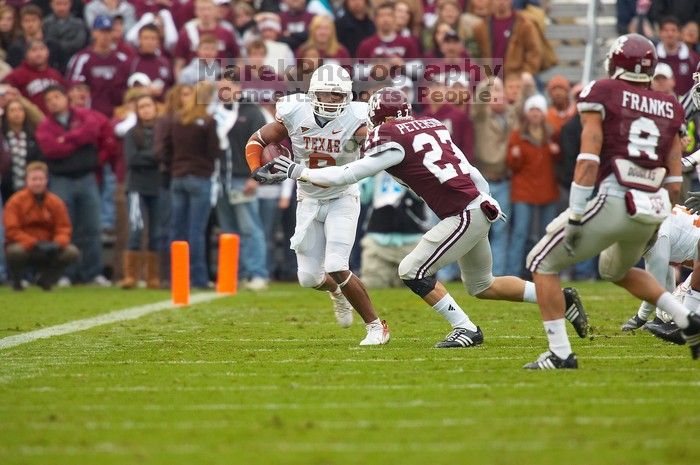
x: 129, y: 104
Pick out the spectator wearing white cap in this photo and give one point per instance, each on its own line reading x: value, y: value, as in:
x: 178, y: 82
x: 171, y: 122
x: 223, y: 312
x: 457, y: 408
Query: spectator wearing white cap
x: 531, y: 156
x: 663, y: 80
x: 278, y: 53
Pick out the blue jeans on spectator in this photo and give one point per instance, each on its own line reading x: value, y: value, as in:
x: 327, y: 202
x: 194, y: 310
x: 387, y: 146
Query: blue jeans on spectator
x: 523, y: 216
x: 143, y: 213
x: 165, y: 215
x: 244, y: 219
x: 108, y: 210
x: 500, y: 230
x: 191, y: 205
x: 82, y: 198
x: 3, y: 265
x: 270, y: 217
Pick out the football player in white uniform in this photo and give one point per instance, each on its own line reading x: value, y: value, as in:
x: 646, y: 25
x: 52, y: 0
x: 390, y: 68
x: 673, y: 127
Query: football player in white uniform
x: 326, y: 128
x: 676, y: 244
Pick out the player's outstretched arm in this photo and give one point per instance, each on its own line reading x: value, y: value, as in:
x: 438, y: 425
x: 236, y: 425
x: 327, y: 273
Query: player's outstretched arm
x: 585, y: 174
x: 271, y: 133
x: 341, y: 175
x: 674, y: 179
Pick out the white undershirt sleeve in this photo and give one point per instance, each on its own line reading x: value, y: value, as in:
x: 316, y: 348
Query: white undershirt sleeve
x: 354, y: 171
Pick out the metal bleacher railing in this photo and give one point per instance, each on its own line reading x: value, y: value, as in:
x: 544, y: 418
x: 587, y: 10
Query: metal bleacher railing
x: 580, y: 31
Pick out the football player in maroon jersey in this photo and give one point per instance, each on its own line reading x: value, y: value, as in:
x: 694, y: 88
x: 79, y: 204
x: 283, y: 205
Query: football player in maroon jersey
x: 630, y: 151
x: 421, y: 154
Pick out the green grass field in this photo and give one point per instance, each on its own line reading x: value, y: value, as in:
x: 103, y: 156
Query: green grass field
x: 270, y: 379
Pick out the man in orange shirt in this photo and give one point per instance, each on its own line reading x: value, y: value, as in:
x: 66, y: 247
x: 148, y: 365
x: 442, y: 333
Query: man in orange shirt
x: 561, y: 110
x: 38, y: 231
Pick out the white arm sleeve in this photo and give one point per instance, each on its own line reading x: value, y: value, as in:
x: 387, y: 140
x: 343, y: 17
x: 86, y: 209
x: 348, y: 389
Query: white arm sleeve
x: 169, y: 29
x: 132, y: 35
x: 657, y: 258
x: 656, y: 262
x: 354, y: 171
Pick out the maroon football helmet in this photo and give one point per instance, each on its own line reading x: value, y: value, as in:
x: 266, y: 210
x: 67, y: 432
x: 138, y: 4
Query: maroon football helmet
x: 632, y: 58
x: 388, y: 102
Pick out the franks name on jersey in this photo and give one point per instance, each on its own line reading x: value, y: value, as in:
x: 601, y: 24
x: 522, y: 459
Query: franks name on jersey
x: 639, y: 125
x: 322, y: 144
x: 645, y: 104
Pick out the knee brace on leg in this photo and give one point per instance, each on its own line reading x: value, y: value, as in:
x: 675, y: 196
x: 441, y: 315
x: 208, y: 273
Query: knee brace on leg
x: 310, y: 280
x: 423, y: 286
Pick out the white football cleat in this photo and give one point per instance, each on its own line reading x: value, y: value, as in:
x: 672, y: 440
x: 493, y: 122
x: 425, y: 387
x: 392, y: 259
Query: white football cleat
x: 377, y: 334
x: 256, y: 284
x: 342, y: 308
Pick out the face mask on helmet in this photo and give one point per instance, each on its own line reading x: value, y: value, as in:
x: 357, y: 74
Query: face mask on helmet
x: 330, y: 91
x: 329, y: 104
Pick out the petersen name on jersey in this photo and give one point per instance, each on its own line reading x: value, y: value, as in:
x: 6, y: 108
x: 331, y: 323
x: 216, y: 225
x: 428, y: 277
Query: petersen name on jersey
x: 317, y: 146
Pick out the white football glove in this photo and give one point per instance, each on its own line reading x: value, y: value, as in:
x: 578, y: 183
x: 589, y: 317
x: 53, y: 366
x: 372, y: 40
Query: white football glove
x: 689, y: 162
x: 693, y: 202
x: 573, y: 232
x: 286, y: 165
x: 264, y: 176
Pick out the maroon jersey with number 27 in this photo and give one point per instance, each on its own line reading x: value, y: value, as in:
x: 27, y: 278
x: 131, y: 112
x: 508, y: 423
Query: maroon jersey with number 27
x: 639, y: 124
x: 433, y: 167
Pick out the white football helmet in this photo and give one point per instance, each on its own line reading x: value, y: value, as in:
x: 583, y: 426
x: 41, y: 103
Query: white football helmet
x: 330, y: 78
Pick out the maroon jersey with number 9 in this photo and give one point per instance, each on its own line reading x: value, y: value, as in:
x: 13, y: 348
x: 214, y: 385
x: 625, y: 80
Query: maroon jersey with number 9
x: 433, y: 167
x: 639, y: 124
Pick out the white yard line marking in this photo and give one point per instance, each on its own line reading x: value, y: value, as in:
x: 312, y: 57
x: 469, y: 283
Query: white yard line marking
x: 107, y: 318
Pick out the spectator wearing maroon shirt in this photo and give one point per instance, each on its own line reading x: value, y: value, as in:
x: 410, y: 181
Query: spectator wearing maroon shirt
x: 34, y: 75
x: 386, y: 43
x: 323, y: 38
x: 152, y: 6
x: 355, y: 25
x: 70, y: 141
x: 296, y: 19
x: 62, y: 27
x: 119, y: 43
x: 101, y: 68
x: 672, y: 51
x: 150, y: 61
x: 509, y: 38
x: 31, y: 24
x: 205, y: 22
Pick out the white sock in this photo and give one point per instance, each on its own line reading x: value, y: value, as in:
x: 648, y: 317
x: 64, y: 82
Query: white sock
x: 645, y: 310
x: 530, y: 294
x: 558, y: 340
x: 452, y: 312
x: 691, y: 300
x: 376, y: 322
x: 678, y: 312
